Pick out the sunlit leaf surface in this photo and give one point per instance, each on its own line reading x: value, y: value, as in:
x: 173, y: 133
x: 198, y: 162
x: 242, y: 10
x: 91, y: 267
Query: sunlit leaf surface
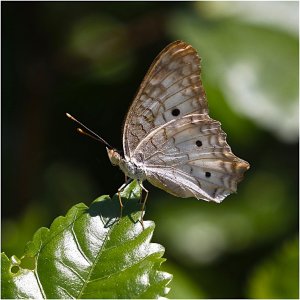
x: 90, y: 254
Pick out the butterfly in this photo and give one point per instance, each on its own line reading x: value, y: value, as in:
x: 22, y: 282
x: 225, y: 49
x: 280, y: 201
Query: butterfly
x: 169, y: 138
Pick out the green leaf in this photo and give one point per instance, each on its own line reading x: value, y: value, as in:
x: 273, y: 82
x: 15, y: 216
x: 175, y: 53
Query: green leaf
x: 90, y: 253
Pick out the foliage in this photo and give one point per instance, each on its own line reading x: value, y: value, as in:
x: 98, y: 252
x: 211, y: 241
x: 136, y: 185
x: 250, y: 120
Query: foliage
x: 90, y: 253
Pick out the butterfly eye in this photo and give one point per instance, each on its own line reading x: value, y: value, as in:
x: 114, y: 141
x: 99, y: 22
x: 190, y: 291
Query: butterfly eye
x: 175, y: 112
x: 207, y: 174
x: 198, y: 143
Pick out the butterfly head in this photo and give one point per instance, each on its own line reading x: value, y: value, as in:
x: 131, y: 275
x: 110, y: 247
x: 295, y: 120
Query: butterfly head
x: 114, y: 156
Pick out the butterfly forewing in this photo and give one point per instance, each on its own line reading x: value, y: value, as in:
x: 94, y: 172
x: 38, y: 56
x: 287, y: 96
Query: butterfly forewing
x: 171, y: 89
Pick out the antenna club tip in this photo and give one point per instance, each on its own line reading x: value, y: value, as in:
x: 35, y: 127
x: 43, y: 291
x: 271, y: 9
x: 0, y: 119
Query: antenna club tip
x: 80, y: 130
x: 70, y: 116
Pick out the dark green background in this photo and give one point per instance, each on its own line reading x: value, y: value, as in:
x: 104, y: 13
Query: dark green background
x: 88, y: 59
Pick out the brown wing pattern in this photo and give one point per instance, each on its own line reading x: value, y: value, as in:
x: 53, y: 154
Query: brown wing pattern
x: 171, y: 89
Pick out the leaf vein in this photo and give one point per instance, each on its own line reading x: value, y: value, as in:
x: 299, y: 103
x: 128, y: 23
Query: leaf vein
x: 71, y: 269
x: 78, y: 245
x: 38, y: 277
x: 95, y: 262
x: 125, y: 269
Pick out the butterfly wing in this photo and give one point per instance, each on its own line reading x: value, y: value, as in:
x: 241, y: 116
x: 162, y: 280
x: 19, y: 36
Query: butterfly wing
x: 171, y: 89
x: 189, y: 157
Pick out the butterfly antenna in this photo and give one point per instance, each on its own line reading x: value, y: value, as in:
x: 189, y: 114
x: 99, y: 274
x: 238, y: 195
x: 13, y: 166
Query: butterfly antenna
x: 90, y: 133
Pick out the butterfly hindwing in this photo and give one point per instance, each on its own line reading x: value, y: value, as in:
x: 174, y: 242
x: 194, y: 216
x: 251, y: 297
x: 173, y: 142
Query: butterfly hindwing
x: 189, y: 157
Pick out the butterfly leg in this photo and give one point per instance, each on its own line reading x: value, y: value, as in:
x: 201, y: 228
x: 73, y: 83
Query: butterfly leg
x: 120, y: 189
x: 144, y: 203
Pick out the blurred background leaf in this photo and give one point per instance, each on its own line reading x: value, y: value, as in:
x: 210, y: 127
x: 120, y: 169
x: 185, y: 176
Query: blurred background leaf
x: 88, y: 58
x: 277, y: 276
x: 236, y: 49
